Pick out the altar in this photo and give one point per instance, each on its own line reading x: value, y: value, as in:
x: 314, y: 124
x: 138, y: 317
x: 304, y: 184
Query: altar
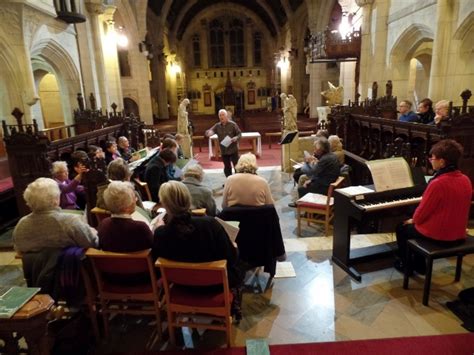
x: 254, y: 137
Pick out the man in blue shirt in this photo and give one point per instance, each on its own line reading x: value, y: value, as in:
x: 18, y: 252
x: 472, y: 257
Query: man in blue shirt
x: 407, y: 115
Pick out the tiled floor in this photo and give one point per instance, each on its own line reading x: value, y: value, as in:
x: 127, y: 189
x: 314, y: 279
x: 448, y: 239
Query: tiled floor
x: 322, y: 303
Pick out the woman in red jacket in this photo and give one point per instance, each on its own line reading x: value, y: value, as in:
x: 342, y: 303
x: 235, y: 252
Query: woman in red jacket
x: 443, y: 212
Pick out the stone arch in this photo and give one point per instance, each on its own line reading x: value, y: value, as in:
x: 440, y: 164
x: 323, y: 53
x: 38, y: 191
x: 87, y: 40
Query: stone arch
x: 415, y: 42
x: 465, y: 33
x: 408, y: 42
x: 48, y: 54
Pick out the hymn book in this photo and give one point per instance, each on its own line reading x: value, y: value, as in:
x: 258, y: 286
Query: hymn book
x: 390, y: 174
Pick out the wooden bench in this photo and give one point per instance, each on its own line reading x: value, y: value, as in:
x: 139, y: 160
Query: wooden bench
x: 270, y: 135
x: 431, y: 251
x: 198, y: 140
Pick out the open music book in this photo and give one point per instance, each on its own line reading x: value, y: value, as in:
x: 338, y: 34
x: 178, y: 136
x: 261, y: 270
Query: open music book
x: 390, y: 174
x: 231, y: 228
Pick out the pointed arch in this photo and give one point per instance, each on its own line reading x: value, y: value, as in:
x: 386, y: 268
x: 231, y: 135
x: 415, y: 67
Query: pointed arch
x: 408, y: 42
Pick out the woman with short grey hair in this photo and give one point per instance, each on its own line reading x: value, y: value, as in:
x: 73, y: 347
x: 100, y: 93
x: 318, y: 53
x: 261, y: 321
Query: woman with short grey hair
x: 120, y: 233
x: 47, y: 226
x: 201, y: 195
x: 70, y: 189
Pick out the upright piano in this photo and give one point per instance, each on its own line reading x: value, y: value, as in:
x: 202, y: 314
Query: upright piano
x: 354, y: 208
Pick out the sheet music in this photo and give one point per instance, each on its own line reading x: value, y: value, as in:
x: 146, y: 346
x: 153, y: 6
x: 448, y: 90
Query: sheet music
x: 389, y: 174
x: 355, y: 190
x: 231, y: 228
x: 226, y: 141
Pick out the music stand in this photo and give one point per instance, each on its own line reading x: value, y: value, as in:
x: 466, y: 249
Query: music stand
x: 287, y: 139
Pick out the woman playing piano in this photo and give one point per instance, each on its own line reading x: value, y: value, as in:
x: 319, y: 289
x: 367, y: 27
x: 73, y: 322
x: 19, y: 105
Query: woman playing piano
x: 443, y: 212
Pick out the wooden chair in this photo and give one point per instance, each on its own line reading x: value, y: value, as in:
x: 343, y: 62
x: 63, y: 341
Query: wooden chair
x: 121, y: 289
x: 317, y: 208
x: 100, y: 214
x: 185, y: 302
x: 145, y: 193
x: 143, y: 189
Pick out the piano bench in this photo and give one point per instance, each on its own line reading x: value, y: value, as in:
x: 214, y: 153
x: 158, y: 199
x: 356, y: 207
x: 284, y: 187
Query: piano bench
x: 431, y: 251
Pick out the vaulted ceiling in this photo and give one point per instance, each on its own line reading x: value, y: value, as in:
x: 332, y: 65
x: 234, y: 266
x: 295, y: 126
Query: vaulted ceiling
x: 266, y: 10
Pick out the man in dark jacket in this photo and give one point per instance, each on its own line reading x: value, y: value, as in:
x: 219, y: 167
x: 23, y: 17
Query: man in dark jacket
x: 156, y: 171
x: 322, y: 171
x: 228, y: 133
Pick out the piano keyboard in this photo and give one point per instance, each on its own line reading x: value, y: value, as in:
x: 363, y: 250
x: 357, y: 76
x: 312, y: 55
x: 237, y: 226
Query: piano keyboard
x: 389, y: 204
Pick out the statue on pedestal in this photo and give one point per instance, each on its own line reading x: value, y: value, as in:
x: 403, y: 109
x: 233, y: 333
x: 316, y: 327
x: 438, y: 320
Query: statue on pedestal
x: 289, y: 107
x: 183, y: 121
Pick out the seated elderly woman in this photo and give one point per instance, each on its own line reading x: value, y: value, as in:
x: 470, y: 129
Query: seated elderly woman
x: 47, y: 226
x: 69, y: 188
x: 246, y: 187
x: 182, y: 237
x: 117, y: 170
x: 120, y: 233
x: 336, y: 147
x: 201, y: 196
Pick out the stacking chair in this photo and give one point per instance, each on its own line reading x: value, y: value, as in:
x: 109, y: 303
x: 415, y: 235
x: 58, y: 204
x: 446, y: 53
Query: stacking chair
x: 184, y: 303
x: 317, y: 208
x: 100, y: 214
x: 117, y: 296
x: 145, y: 194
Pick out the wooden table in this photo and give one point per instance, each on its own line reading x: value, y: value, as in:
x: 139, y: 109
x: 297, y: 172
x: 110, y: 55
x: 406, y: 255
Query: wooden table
x: 254, y: 137
x: 30, y: 321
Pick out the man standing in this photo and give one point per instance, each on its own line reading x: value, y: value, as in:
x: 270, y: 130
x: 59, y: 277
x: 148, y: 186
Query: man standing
x: 228, y: 134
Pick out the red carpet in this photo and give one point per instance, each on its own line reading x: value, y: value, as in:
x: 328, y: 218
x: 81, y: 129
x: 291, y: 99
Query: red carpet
x: 270, y: 157
x: 455, y: 344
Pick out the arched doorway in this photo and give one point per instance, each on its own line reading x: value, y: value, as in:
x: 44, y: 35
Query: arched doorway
x: 50, y: 100
x: 130, y: 106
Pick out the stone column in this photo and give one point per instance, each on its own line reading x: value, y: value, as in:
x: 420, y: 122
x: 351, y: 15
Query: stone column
x: 158, y: 85
x: 316, y: 71
x: 441, y: 44
x: 172, y: 85
x: 109, y: 50
x: 95, y: 11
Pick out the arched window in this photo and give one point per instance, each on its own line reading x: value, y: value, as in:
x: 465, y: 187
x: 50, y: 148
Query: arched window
x: 236, y: 40
x: 216, y: 40
x: 196, y: 51
x: 257, y: 48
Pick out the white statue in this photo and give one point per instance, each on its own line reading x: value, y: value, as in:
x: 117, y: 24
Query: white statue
x: 290, y: 108
x: 183, y: 117
x: 334, y: 95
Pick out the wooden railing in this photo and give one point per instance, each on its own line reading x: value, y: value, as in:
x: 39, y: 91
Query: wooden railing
x: 60, y: 132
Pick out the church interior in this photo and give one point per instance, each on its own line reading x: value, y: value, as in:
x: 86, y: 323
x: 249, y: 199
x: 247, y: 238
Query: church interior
x: 211, y: 81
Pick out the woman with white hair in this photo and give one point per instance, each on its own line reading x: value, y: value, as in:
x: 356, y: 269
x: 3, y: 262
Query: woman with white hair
x: 47, y: 226
x: 69, y: 188
x: 201, y: 196
x: 246, y: 187
x: 120, y: 233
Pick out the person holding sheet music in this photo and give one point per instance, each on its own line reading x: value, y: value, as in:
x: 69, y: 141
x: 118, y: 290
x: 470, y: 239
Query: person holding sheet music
x: 156, y: 171
x: 228, y: 134
x: 182, y: 237
x: 322, y: 169
x: 443, y: 213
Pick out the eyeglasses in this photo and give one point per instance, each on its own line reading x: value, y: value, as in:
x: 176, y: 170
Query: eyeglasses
x: 431, y: 159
